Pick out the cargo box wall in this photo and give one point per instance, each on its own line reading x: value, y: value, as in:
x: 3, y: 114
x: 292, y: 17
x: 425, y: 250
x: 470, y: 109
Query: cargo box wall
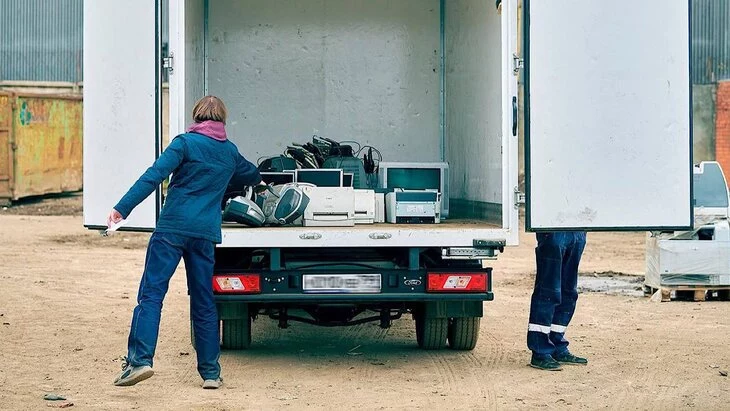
x: 420, y: 80
x: 347, y: 70
x: 473, y: 103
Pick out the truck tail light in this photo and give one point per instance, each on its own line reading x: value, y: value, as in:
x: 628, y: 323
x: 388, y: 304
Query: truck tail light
x: 457, y: 282
x: 237, y: 283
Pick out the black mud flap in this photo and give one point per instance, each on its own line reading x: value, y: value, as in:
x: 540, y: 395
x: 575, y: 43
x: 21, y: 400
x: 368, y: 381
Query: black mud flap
x: 453, y: 309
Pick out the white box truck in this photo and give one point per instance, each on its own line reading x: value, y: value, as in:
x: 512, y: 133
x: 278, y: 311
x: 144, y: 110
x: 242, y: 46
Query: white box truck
x: 607, y: 124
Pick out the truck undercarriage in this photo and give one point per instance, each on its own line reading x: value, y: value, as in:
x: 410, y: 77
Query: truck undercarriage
x: 343, y: 287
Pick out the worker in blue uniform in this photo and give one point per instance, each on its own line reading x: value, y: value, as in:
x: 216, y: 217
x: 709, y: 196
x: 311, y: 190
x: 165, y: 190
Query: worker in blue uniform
x: 554, y: 298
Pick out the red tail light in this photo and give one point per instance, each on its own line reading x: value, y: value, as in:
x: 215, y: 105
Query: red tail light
x: 457, y: 282
x: 237, y: 283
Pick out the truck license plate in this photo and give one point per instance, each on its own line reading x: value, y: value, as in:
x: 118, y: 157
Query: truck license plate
x: 341, y: 283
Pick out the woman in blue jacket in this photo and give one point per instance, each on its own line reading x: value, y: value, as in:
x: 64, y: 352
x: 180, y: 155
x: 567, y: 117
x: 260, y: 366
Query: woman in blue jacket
x: 202, y: 163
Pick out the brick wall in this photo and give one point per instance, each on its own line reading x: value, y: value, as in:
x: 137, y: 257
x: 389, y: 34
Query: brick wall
x: 722, y: 126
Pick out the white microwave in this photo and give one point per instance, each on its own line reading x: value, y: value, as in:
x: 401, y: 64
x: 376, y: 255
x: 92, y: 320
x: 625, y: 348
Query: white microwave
x: 417, y: 176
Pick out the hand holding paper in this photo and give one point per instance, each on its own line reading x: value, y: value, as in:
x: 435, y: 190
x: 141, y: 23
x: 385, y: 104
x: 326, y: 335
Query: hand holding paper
x: 114, y: 221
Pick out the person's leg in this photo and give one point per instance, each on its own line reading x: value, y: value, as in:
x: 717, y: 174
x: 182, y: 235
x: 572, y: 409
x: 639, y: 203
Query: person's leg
x: 569, y: 294
x: 163, y: 256
x: 545, y: 296
x: 199, y: 260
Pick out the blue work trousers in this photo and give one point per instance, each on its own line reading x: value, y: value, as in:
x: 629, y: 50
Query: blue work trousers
x: 556, y: 291
x: 163, y: 256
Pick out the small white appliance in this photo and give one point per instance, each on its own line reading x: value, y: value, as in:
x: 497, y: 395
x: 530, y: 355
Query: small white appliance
x: 244, y: 211
x: 330, y: 207
x: 379, y: 208
x: 285, y: 204
x: 413, y: 207
x: 364, y: 206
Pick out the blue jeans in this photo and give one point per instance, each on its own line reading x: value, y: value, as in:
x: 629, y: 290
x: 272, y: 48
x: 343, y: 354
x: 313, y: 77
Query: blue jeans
x: 163, y: 256
x: 556, y: 291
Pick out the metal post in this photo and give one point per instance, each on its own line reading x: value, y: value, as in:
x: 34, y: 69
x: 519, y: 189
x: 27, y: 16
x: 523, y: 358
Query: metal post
x: 414, y: 258
x: 275, y: 259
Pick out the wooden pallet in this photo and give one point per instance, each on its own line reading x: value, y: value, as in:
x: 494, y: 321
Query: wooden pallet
x: 690, y: 293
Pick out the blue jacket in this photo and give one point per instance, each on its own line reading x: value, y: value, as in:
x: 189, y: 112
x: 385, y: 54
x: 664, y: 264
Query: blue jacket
x: 201, y: 169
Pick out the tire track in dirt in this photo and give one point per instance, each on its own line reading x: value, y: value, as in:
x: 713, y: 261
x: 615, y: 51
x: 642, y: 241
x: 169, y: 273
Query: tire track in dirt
x: 457, y: 374
x: 650, y: 386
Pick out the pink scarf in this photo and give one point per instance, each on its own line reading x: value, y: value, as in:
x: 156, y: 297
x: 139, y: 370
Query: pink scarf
x: 213, y: 129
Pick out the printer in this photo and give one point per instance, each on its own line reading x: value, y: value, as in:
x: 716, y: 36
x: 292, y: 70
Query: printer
x: 413, y: 206
x: 329, y: 207
x: 365, y: 206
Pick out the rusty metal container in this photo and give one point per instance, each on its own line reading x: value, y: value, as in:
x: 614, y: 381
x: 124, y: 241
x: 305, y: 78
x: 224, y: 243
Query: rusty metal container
x: 40, y: 144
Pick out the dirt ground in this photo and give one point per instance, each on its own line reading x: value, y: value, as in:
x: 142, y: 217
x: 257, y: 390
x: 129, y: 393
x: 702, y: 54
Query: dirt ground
x: 66, y: 297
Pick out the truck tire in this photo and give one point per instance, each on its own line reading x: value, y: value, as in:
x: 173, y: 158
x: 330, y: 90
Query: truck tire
x: 464, y: 333
x: 431, y: 333
x: 236, y: 334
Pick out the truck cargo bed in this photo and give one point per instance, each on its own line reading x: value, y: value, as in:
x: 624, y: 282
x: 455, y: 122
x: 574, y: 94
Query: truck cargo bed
x: 454, y: 233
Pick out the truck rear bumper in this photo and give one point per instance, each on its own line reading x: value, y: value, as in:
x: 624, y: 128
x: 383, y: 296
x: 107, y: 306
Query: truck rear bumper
x: 389, y: 286
x: 354, y: 298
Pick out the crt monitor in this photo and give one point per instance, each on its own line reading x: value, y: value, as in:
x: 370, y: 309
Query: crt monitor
x: 320, y: 177
x: 277, y: 178
x: 417, y: 176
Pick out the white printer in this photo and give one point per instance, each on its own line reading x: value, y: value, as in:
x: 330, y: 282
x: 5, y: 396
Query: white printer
x: 365, y: 206
x: 330, y: 207
x: 413, y: 206
x: 379, y: 207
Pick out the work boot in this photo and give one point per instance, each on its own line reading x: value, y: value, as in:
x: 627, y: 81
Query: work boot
x: 546, y: 363
x: 131, y: 374
x: 568, y: 358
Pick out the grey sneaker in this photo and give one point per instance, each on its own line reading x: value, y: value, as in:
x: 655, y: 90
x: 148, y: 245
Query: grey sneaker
x: 131, y: 375
x: 213, y: 384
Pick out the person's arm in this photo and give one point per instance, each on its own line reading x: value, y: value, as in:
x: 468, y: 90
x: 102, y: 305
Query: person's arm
x: 152, y: 178
x: 246, y: 173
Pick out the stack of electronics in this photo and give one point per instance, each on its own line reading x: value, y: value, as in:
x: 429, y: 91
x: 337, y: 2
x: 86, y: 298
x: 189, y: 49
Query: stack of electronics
x: 325, y: 184
x: 324, y: 153
x: 417, y: 193
x: 309, y: 197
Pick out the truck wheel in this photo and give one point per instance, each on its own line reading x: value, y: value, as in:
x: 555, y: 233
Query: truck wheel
x: 431, y: 333
x: 464, y: 333
x: 236, y: 334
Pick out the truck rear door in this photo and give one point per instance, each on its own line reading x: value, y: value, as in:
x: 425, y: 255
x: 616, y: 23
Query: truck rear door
x: 121, y: 105
x: 608, y: 115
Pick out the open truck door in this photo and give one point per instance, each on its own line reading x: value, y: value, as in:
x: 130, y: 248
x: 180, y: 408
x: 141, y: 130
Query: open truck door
x: 122, y: 106
x: 608, y: 115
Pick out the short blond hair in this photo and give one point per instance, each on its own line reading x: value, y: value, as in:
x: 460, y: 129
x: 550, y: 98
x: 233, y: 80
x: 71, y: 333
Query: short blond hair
x: 210, y: 108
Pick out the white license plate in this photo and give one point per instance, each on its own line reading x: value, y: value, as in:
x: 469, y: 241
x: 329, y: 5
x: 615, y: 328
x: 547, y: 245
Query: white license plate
x: 341, y: 283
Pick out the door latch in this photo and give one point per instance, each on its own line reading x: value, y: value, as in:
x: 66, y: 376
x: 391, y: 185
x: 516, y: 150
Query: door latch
x: 517, y: 64
x: 519, y: 197
x: 167, y: 63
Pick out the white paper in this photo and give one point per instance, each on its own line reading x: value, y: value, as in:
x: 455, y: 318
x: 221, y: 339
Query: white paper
x: 114, y: 227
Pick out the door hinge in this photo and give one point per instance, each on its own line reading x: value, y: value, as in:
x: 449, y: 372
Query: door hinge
x: 518, y: 64
x: 167, y: 63
x: 519, y: 197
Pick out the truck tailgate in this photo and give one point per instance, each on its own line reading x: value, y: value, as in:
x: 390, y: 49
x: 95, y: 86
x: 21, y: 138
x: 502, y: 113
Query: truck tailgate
x: 451, y: 234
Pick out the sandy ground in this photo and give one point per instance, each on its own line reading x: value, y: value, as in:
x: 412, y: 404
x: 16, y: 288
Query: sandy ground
x: 66, y: 296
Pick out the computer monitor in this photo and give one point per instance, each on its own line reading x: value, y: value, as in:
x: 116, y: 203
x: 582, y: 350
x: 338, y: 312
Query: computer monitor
x: 320, y: 177
x: 277, y: 178
x: 347, y: 179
